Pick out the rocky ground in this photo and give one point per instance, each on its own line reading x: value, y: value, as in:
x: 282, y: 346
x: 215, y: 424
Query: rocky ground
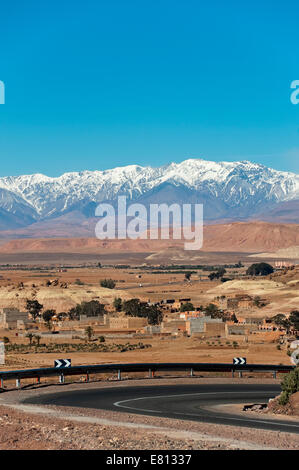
x: 290, y: 409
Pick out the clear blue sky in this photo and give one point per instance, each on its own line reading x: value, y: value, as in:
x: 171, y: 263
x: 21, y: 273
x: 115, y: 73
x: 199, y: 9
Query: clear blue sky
x: 103, y: 83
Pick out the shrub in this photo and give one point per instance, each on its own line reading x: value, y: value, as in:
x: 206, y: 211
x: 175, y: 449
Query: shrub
x: 289, y: 385
x: 107, y: 283
x: 283, y: 399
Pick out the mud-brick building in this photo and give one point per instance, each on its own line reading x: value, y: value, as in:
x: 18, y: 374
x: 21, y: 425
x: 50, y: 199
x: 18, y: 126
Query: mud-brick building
x: 216, y: 329
x: 197, y: 325
x: 174, y: 326
x: 124, y: 323
x: 240, y: 301
x: 11, y: 317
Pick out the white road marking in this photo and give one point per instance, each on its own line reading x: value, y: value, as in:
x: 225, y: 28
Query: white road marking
x: 120, y: 405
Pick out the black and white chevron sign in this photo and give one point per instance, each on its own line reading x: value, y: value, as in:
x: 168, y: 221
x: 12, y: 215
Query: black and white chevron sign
x: 60, y: 363
x: 239, y: 361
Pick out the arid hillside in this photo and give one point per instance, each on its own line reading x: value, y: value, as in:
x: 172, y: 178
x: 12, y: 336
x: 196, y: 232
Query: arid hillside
x: 250, y: 237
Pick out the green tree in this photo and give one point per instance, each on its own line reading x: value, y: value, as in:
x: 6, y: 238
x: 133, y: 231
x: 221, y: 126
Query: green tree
x: 37, y: 339
x: 89, y: 332
x: 34, y: 308
x: 211, y: 310
x: 73, y: 313
x: 117, y: 303
x: 47, y: 317
x: 187, y: 307
x: 217, y: 274
x: 282, y: 321
x: 93, y: 308
x: 294, y: 319
x: 260, y: 269
x: 132, y: 307
x: 289, y: 385
x: 279, y: 319
x: 30, y: 337
x: 154, y: 315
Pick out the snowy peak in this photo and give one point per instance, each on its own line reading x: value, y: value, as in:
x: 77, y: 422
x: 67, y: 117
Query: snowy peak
x: 237, y: 188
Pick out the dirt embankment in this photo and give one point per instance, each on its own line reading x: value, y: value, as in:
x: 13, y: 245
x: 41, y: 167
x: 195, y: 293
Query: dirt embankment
x: 291, y: 408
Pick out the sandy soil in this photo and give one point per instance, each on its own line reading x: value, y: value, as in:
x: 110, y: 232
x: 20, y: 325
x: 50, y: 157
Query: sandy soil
x: 261, y: 348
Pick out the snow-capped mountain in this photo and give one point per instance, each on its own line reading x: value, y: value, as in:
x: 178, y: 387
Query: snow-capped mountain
x: 237, y: 190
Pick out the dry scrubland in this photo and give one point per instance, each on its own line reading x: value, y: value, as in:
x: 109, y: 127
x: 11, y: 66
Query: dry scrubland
x: 281, y: 291
x: 260, y: 349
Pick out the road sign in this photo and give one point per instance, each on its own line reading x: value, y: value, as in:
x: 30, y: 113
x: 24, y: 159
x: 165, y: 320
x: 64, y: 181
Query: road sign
x: 62, y: 363
x: 239, y: 361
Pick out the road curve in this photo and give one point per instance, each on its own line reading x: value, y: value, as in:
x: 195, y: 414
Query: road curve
x: 193, y: 402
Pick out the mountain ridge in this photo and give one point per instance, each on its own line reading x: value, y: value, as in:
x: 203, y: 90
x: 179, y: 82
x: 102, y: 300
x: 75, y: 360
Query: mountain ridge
x: 229, y: 190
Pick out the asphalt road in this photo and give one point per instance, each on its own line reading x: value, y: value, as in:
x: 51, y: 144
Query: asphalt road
x: 186, y: 402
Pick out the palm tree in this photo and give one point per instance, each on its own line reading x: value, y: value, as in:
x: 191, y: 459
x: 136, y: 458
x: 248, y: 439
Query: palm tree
x: 37, y: 338
x: 30, y: 337
x: 89, y: 332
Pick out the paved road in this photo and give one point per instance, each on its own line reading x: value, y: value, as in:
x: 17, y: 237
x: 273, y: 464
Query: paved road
x: 187, y: 402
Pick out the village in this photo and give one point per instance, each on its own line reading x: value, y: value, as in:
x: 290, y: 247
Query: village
x: 120, y: 318
x: 180, y: 317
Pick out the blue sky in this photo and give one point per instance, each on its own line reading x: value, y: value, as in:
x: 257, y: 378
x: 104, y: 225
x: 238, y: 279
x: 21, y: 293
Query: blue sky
x: 98, y: 84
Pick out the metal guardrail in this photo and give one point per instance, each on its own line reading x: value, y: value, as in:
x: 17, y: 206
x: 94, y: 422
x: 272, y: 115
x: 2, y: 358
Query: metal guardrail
x: 189, y: 367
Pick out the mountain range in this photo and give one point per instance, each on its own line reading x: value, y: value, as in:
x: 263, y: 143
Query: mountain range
x: 41, y: 206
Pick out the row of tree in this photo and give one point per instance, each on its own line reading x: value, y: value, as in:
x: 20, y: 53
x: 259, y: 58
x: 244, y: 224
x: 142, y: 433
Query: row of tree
x: 210, y: 310
x: 256, y: 269
x: 135, y: 308
x: 92, y: 308
x: 288, y: 323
